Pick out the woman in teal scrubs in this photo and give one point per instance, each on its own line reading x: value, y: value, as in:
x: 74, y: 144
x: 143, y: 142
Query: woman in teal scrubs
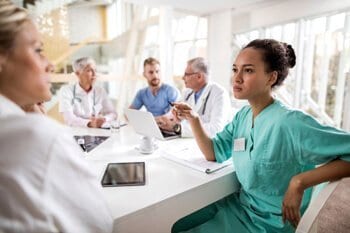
x: 274, y: 149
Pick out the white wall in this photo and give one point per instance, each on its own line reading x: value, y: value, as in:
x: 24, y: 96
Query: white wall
x: 285, y: 11
x: 222, y: 25
x: 219, y: 47
x: 112, y: 20
x: 166, y: 43
x: 85, y: 22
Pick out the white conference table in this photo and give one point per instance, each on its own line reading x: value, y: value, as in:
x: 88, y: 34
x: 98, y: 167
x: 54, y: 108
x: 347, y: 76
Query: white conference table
x: 171, y: 191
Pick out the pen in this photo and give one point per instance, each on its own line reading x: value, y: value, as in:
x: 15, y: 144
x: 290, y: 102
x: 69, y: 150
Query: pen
x: 81, y: 142
x: 171, y: 104
x: 83, y: 147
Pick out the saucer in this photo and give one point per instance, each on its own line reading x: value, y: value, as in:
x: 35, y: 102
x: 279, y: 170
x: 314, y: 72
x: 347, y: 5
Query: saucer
x: 142, y: 151
x: 146, y: 152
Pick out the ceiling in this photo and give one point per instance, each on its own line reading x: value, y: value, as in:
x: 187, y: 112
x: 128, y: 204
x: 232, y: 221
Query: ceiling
x: 204, y: 7
x: 91, y: 2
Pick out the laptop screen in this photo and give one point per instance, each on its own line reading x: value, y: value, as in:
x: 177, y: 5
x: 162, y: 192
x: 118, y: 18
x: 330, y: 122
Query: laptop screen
x: 144, y: 123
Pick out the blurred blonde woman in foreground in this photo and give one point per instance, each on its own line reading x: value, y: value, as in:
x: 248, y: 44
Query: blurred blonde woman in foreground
x: 45, y: 184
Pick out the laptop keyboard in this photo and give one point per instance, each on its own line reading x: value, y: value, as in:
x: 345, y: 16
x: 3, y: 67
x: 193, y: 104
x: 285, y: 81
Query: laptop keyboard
x: 168, y: 134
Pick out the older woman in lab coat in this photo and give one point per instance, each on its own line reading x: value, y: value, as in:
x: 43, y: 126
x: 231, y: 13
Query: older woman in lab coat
x: 45, y: 184
x: 84, y: 103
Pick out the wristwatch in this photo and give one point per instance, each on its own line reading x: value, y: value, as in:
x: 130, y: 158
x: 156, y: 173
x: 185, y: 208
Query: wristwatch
x: 177, y: 128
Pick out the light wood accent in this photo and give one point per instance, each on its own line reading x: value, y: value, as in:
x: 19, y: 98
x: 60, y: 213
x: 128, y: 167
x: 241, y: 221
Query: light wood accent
x: 67, y: 78
x: 72, y: 49
x: 53, y: 34
x: 104, y: 20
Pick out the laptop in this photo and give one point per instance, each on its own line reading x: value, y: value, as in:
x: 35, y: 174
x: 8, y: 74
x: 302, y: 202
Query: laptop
x: 144, y: 123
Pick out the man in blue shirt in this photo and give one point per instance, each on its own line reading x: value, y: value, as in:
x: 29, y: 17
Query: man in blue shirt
x: 157, y: 96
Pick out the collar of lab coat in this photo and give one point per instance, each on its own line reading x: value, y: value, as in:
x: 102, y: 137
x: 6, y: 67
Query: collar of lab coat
x: 7, y: 107
x: 79, y: 90
x: 201, y: 99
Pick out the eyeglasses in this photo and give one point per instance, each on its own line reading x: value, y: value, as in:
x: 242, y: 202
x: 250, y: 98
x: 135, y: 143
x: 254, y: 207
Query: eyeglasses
x: 189, y: 74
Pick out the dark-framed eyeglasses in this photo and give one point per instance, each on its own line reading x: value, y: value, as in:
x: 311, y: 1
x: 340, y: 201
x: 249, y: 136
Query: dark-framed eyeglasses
x: 190, y: 74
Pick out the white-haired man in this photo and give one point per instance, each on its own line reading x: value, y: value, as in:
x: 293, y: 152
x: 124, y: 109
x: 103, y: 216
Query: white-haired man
x: 83, y: 103
x: 208, y: 99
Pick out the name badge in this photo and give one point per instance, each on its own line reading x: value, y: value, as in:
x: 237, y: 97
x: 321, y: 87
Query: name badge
x: 239, y: 144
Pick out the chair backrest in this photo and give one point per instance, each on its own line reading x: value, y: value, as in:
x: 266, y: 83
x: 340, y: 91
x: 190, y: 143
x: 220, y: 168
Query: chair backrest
x: 328, y: 210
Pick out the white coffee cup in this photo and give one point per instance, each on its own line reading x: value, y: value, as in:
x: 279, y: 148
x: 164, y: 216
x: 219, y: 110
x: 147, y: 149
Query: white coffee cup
x: 146, y: 145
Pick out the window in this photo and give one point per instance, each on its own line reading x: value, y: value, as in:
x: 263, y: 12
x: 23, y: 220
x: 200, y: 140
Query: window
x: 190, y: 40
x: 322, y: 45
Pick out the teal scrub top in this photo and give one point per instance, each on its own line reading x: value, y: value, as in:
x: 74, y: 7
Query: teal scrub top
x: 281, y: 144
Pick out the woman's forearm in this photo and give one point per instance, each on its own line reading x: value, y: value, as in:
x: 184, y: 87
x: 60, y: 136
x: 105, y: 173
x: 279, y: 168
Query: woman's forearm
x: 204, y: 142
x: 334, y: 170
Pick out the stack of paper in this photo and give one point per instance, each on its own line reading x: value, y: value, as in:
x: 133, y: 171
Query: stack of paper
x: 191, y: 156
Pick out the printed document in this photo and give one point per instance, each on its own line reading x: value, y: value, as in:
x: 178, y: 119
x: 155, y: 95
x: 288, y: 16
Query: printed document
x: 190, y: 155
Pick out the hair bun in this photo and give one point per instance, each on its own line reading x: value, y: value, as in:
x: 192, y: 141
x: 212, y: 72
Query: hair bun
x: 290, y: 54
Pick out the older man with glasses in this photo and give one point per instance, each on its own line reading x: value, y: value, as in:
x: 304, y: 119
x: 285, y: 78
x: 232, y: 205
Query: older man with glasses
x: 208, y: 99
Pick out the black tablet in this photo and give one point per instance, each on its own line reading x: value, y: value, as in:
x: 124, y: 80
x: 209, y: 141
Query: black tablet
x: 124, y: 174
x: 88, y: 142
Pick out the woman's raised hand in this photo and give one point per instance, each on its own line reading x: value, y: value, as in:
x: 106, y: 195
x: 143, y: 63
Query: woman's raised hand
x: 183, y: 111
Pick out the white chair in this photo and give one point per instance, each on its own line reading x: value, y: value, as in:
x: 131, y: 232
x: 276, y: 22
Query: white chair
x: 329, y: 211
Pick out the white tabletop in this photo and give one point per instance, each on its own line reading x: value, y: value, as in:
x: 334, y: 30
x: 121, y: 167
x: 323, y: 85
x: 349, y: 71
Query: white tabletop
x: 171, y: 191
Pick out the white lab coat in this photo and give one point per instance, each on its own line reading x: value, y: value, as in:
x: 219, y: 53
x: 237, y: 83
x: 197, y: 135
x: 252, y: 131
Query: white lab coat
x: 45, y: 183
x: 79, y: 107
x: 214, y: 109
x: 8, y: 108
